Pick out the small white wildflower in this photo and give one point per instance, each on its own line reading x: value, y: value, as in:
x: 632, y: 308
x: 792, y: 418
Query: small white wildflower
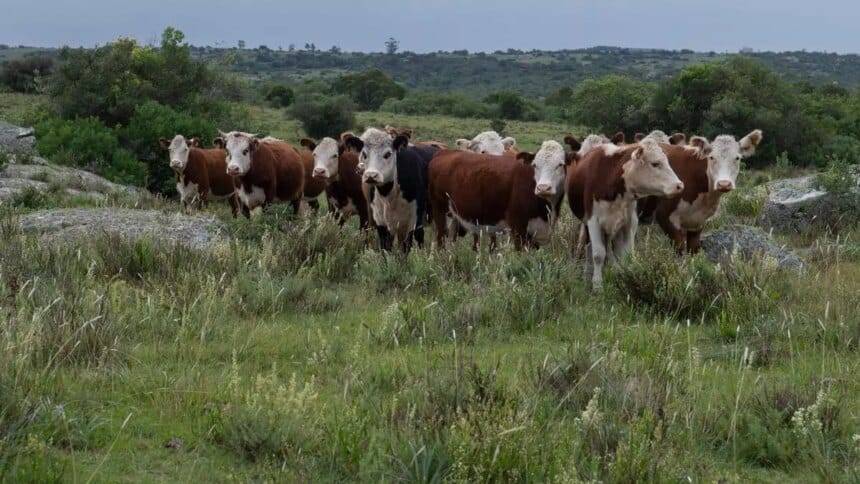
x: 592, y: 415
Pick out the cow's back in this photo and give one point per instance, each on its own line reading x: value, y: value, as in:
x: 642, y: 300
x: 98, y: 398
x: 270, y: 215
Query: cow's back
x: 412, y: 165
x: 214, y: 161
x: 477, y: 185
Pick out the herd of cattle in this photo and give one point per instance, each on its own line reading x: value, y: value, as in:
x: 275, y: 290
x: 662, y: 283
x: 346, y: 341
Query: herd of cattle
x: 484, y: 186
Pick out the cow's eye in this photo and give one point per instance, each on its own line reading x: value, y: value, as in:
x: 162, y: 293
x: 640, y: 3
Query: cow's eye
x: 245, y: 151
x: 738, y: 158
x: 655, y: 164
x: 363, y: 155
x: 387, y: 155
x: 334, y: 156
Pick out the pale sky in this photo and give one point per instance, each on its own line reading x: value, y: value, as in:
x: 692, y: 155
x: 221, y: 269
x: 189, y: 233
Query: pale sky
x: 422, y: 26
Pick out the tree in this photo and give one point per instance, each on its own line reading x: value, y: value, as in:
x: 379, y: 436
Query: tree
x: 368, y: 89
x: 241, y: 44
x: 611, y: 103
x: 280, y: 96
x: 391, y: 46
x: 510, y: 104
x: 334, y: 50
x: 322, y: 116
x: 22, y: 75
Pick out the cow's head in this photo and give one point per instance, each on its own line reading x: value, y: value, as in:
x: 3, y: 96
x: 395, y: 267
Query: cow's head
x: 488, y: 143
x: 724, y: 157
x: 240, y: 151
x: 659, y: 136
x: 379, y: 155
x: 326, y: 158
x: 549, y: 165
x: 648, y: 173
x: 590, y: 142
x: 618, y: 138
x: 178, y: 149
x: 678, y: 139
x: 638, y: 137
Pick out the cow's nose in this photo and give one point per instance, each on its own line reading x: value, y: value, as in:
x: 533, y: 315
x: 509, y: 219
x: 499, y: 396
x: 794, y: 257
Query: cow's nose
x: 232, y: 170
x: 725, y: 186
x: 372, y: 177
x: 543, y: 189
x: 320, y: 173
x: 175, y: 164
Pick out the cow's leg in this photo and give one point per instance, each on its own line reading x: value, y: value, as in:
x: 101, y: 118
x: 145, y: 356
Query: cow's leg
x: 494, y: 242
x: 297, y: 205
x: 624, y: 240
x: 419, y: 236
x: 246, y: 211
x: 314, y: 204
x: 598, y: 253
x: 678, y: 236
x: 385, y: 237
x: 363, y: 222
x: 439, y: 213
x: 581, y: 242
x: 694, y: 242
x: 234, y: 205
x: 519, y: 233
x: 476, y: 241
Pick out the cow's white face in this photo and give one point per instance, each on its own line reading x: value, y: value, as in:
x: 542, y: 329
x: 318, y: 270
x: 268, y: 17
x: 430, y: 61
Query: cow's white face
x: 549, y: 169
x: 326, y: 158
x: 240, y: 147
x: 487, y: 143
x: 724, y: 158
x: 658, y: 136
x: 648, y: 173
x: 592, y: 141
x: 379, y: 156
x: 178, y: 150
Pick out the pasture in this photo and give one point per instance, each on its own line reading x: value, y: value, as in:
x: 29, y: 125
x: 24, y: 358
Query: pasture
x: 295, y: 352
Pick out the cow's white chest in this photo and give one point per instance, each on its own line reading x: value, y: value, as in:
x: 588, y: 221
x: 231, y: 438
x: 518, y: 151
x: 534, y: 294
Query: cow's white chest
x: 614, y: 216
x: 692, y: 216
x: 394, y: 212
x: 187, y: 191
x: 255, y: 198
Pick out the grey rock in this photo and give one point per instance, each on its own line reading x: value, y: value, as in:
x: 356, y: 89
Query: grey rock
x: 192, y: 231
x: 748, y: 243
x: 798, y: 206
x: 43, y: 176
x: 16, y: 140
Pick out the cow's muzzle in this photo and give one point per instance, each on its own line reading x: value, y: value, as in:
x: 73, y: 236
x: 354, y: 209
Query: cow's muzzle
x: 725, y: 186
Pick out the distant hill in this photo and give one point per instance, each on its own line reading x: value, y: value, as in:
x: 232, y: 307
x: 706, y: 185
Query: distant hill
x: 533, y: 73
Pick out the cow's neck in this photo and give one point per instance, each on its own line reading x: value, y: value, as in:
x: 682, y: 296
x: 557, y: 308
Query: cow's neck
x: 387, y: 189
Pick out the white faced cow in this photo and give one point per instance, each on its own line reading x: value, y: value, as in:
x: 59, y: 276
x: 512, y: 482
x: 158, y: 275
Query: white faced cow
x: 487, y: 143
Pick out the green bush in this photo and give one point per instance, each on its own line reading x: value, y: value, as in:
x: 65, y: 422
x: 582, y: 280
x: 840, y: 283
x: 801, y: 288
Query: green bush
x: 89, y: 144
x: 322, y: 116
x: 280, y: 96
x: 448, y: 104
x: 368, y: 89
x: 22, y: 75
x: 510, y: 104
x: 611, y: 103
x: 152, y: 121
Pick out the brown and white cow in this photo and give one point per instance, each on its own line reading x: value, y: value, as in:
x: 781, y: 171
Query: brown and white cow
x: 708, y: 170
x: 201, y: 174
x: 602, y: 190
x: 337, y: 167
x: 488, y: 143
x: 265, y: 172
x: 487, y: 193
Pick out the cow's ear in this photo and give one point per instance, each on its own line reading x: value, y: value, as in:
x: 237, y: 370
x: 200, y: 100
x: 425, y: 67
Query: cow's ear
x: 638, y: 137
x: 400, y: 141
x: 194, y: 143
x: 219, y: 143
x: 406, y: 132
x: 254, y: 143
x: 677, y: 139
x: 701, y: 144
x: 750, y: 142
x: 508, y: 142
x: 571, y: 141
x: 526, y: 157
x: 164, y: 143
x: 571, y: 158
x: 346, y: 134
x: 308, y: 143
x: 638, y: 153
x: 462, y: 144
x: 353, y: 142
x: 618, y: 138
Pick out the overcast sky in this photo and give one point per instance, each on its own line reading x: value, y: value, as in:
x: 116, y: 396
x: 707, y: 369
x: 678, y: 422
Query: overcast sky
x: 429, y: 25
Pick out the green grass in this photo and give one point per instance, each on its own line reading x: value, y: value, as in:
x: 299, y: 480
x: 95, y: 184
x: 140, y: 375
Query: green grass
x: 296, y: 353
x: 21, y: 109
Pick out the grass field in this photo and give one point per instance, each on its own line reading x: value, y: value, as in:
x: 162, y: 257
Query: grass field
x: 295, y: 353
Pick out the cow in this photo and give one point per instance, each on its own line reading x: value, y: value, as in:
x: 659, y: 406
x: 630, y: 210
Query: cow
x: 602, y: 190
x: 313, y: 187
x: 200, y: 173
x: 336, y: 167
x: 661, y: 137
x: 395, y: 175
x: 265, y: 172
x: 488, y: 143
x: 496, y: 193
x: 708, y: 170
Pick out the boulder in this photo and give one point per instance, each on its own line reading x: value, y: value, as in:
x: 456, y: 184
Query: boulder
x: 192, y: 231
x: 42, y: 176
x: 747, y: 242
x: 16, y: 140
x: 798, y: 206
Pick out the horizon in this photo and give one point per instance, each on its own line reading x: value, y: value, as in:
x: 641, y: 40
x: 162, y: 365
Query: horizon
x: 363, y: 26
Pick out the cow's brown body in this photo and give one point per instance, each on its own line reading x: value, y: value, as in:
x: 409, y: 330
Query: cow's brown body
x: 278, y: 171
x: 486, y: 191
x: 346, y: 194
x: 682, y: 218
x: 597, y: 177
x: 206, y: 170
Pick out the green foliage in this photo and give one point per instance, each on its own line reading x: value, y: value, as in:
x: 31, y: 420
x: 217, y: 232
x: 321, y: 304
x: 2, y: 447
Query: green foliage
x: 498, y: 125
x: 280, y: 96
x: 24, y: 75
x: 510, y: 104
x: 840, y: 178
x: 109, y: 82
x: 611, y: 103
x: 368, y: 89
x: 322, y: 116
x: 453, y: 104
x: 152, y: 121
x: 89, y: 144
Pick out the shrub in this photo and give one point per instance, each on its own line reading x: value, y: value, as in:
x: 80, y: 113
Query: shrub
x: 322, y: 116
x: 454, y: 104
x: 611, y: 103
x: 280, y: 96
x: 89, y: 144
x: 22, y: 75
x: 510, y: 104
x: 368, y: 89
